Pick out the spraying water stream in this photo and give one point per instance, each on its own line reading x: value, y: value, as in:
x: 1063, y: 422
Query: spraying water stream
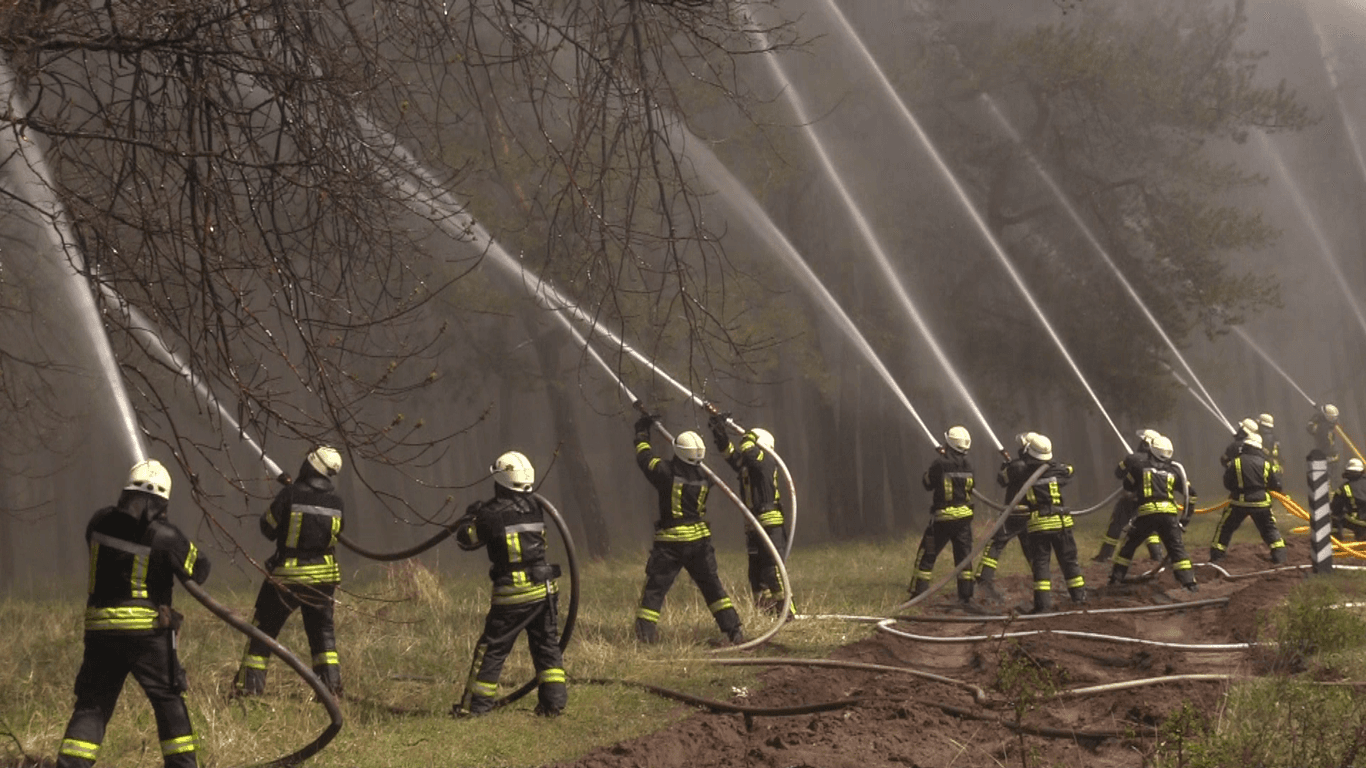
x: 963, y: 198
x: 1270, y: 361
x: 31, y: 175
x: 1312, y: 222
x: 1207, y: 400
x: 865, y: 229
x: 1336, y: 88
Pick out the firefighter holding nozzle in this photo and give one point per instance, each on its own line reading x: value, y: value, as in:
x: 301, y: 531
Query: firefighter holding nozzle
x: 758, y: 470
x: 510, y: 528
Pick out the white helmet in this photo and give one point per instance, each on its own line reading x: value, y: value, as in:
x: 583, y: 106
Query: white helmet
x: 762, y: 437
x: 958, y: 439
x: 149, y: 476
x: 1145, y: 436
x: 1254, y: 440
x: 513, y: 471
x: 325, y: 460
x: 1161, y: 447
x: 1267, y: 420
x: 1040, y: 447
x: 1248, y: 426
x: 1023, y: 439
x: 689, y: 447
x: 1354, y: 465
x: 1330, y: 412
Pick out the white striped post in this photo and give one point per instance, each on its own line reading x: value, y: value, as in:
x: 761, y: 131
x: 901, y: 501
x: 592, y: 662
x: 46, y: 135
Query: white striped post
x: 1320, y: 521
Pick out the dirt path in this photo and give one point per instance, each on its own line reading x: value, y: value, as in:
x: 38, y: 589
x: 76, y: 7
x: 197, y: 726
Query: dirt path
x: 907, y: 721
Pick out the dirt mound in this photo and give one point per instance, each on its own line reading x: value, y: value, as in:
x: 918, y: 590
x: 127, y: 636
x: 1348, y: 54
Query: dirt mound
x: 907, y: 720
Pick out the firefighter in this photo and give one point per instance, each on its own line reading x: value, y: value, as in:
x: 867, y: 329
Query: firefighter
x: 511, y: 526
x: 950, y: 479
x: 1123, y: 513
x: 130, y: 626
x: 1049, y: 529
x: 1016, y: 522
x: 1245, y: 427
x: 1322, y: 427
x: 304, y: 521
x: 682, y: 536
x: 1266, y: 427
x: 758, y: 470
x: 1349, y: 501
x: 1155, y: 482
x: 1250, y: 479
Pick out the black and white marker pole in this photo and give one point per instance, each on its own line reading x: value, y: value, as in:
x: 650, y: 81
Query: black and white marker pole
x: 1320, y: 521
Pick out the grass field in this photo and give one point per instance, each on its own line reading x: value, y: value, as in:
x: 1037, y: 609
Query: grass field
x: 405, y: 637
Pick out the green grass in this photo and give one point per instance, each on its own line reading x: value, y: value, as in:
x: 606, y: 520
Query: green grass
x: 406, y: 635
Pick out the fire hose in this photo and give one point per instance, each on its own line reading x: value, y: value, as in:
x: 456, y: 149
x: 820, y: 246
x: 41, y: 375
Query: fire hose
x: 324, y: 695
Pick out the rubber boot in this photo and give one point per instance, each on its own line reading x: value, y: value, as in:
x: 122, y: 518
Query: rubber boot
x: 1215, y: 555
x: 330, y: 675
x: 986, y: 579
x: 1117, y: 573
x: 250, y: 682
x: 1043, y: 602
x: 965, y: 587
x: 647, y: 632
x: 736, y: 636
x: 1278, y: 555
x: 918, y: 587
x: 1107, y: 550
x: 1078, y: 595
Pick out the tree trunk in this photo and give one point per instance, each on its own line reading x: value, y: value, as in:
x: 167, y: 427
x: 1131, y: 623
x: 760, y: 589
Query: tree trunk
x: 582, y: 502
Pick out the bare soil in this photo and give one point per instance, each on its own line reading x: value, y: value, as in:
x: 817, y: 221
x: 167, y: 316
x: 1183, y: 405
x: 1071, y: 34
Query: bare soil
x: 913, y: 722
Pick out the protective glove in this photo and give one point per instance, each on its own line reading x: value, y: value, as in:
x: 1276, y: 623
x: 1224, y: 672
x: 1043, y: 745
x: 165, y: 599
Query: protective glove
x: 644, y: 423
x: 718, y: 420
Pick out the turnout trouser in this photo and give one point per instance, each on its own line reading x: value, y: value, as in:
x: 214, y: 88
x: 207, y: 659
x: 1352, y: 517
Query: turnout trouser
x: 1042, y: 546
x: 765, y: 581
x: 1015, y: 527
x: 1233, y: 517
x: 939, y: 533
x: 667, y: 558
x: 1167, y: 527
x: 273, y: 607
x: 1120, y: 518
x: 502, y: 626
x: 109, y: 658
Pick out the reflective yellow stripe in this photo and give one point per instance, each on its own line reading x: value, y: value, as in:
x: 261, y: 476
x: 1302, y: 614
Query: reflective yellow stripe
x: 83, y: 749
x: 1075, y: 582
x: 481, y: 688
x: 326, y: 657
x: 254, y: 662
x: 691, y: 532
x: 516, y: 595
x: 644, y: 446
x: 647, y: 615
x: 514, y: 547
x: 554, y: 675
x: 1043, y: 586
x: 771, y: 519
x: 296, y: 524
x: 954, y: 513
x: 178, y: 746
x: 191, y: 558
x: 137, y: 586
x: 721, y: 605
x: 94, y: 557
x: 326, y: 572
x: 1164, y: 506
x: 120, y: 618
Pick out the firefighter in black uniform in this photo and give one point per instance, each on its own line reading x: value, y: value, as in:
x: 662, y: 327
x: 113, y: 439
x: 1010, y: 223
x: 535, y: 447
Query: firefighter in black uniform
x: 1322, y: 427
x: 129, y: 624
x: 1155, y: 483
x: 760, y: 490
x: 1125, y: 508
x: 511, y: 526
x: 950, y: 479
x: 1050, y: 525
x: 1250, y: 479
x: 682, y: 536
x: 1015, y: 524
x: 304, y: 521
x: 1349, y: 501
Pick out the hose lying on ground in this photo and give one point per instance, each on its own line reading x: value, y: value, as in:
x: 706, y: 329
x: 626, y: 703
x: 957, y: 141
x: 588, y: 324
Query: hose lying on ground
x: 1214, y: 601
x: 978, y: 694
x: 324, y: 695
x: 885, y: 626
